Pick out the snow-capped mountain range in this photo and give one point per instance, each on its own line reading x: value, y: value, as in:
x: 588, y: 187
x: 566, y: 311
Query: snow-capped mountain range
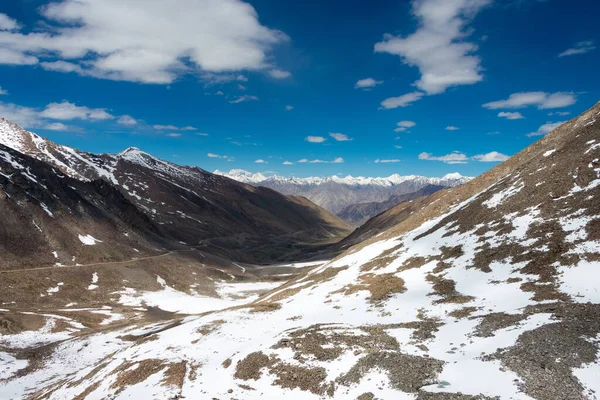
x: 336, y: 193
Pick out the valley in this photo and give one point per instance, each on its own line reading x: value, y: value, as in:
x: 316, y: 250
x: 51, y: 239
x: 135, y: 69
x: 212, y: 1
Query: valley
x: 487, y: 290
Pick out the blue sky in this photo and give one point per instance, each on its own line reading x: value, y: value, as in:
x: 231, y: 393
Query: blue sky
x: 423, y: 87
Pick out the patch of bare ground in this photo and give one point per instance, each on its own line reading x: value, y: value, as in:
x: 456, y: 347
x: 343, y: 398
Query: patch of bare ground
x: 446, y: 289
x: 13, y: 322
x: 381, y: 286
x: 324, y: 343
x: 407, y: 373
x: 366, y: 396
x: 544, y: 357
x: 129, y: 373
x: 250, y: 367
x: 175, y: 374
x: 451, y: 396
x: 226, y: 364
x: 413, y: 262
x: 264, y: 307
x: 491, y: 323
x: 463, y: 312
x: 301, y: 377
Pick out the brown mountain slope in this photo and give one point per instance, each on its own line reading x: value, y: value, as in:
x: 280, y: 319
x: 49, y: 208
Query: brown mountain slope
x: 180, y: 206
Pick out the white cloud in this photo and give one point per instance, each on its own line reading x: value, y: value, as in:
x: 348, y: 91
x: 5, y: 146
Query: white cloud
x: 260, y: 161
x: 304, y: 160
x: 541, y: 100
x: 340, y: 137
x: 243, y: 98
x: 455, y: 157
x: 25, y: 116
x: 452, y: 128
x: 318, y: 161
x: 12, y: 57
x: 189, y: 128
x: 242, y: 87
x: 165, y: 127
x: 561, y: 113
x: 315, y: 139
x: 288, y: 163
x: 201, y: 134
x: 397, y: 147
x: 213, y: 155
x: 438, y: 47
x: 510, y: 115
x: 56, y: 126
x: 367, y: 83
x: 7, y: 23
x: 401, y: 101
x: 404, y: 125
x: 579, y: 48
x: 279, y: 74
x: 338, y: 160
x: 70, y: 111
x: 2, y: 91
x: 387, y: 161
x: 127, y: 120
x: 492, y: 156
x: 151, y: 41
x: 289, y: 108
x: 174, y: 134
x: 546, y: 128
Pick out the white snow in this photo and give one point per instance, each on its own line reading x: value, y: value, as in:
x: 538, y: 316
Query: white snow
x: 89, y: 240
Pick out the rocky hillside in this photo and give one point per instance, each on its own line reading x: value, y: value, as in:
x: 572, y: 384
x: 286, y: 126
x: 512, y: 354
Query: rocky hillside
x: 358, y: 214
x: 486, y: 291
x: 336, y: 193
x: 134, y: 203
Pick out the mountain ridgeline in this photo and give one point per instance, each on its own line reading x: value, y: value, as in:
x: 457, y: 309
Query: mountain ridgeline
x: 352, y: 198
x: 71, y: 207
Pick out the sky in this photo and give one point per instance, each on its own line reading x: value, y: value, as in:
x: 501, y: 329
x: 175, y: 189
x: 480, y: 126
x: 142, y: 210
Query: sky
x: 425, y: 87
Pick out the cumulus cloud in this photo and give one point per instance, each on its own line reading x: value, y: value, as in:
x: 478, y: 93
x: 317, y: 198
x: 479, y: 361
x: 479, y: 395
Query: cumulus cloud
x: 57, y: 126
x: 458, y: 157
x: 243, y: 98
x: 340, y: 137
x: 397, y: 147
x: 289, y: 108
x: 452, y: 128
x: 127, y: 120
x: 560, y: 113
x: 201, y: 134
x: 288, y: 163
x: 260, y: 161
x: 510, y: 115
x: 439, y: 47
x: 367, y: 83
x: 213, y: 155
x: 315, y: 139
x: 455, y: 157
x: 151, y: 41
x: 579, y: 48
x: 387, y: 161
x: 25, y: 116
x: 492, y: 156
x: 404, y: 125
x: 338, y: 160
x: 401, y: 101
x: 165, y: 127
x: 546, y: 128
x: 541, y: 100
x: 8, y: 24
x: 70, y: 111
x: 173, y: 134
x: 279, y: 74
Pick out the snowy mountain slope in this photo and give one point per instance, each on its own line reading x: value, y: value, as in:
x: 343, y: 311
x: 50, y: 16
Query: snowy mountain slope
x: 336, y: 193
x: 488, y: 291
